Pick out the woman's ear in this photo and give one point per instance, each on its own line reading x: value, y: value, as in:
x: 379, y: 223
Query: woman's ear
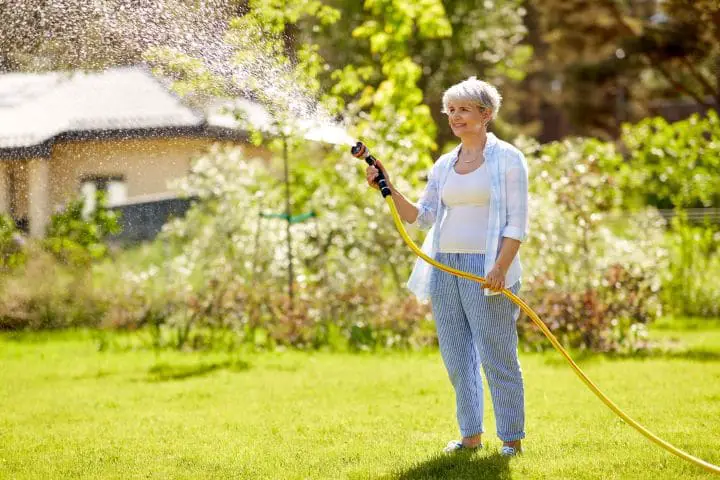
x: 487, y: 116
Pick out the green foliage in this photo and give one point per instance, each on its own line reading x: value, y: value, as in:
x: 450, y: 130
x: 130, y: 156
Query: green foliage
x: 77, y: 240
x: 387, y: 103
x: 448, y: 41
x: 212, y: 235
x: 277, y: 14
x: 673, y: 164
x: 54, y: 287
x: 595, y: 288
x: 12, y: 254
x: 677, y: 165
x: 692, y: 284
x: 225, y: 271
x: 614, y: 58
x: 46, y: 294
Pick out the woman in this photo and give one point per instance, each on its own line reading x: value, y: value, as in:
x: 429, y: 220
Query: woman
x: 476, y: 204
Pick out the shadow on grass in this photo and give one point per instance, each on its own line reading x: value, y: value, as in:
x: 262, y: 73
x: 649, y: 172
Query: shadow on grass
x: 462, y: 465
x: 164, y: 372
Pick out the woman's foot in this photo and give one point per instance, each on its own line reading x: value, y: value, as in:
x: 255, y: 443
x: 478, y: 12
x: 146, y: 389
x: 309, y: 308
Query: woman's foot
x: 510, y: 449
x: 467, y: 443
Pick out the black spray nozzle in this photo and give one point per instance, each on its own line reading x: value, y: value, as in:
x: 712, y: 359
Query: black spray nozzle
x: 361, y: 151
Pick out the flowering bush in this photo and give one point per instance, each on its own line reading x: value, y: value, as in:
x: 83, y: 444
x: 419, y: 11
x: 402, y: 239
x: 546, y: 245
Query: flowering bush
x: 229, y: 265
x: 594, y: 278
x: 592, y: 274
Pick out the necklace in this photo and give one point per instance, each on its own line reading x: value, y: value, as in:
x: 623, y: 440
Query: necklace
x: 471, y: 159
x: 481, y: 156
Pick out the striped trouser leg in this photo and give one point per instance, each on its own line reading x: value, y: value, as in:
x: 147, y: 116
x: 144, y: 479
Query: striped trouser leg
x: 493, y: 322
x: 488, y: 323
x: 458, y: 350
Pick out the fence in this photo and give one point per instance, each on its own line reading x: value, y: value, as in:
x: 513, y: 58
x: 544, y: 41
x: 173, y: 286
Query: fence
x: 695, y: 215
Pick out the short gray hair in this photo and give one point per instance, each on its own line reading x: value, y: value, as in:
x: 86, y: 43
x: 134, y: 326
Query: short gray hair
x: 476, y: 91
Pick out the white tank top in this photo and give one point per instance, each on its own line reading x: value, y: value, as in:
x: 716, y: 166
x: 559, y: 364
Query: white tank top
x: 467, y: 198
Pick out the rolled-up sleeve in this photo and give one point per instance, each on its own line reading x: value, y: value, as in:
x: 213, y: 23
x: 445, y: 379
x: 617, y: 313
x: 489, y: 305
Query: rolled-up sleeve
x: 427, y: 206
x: 516, y: 188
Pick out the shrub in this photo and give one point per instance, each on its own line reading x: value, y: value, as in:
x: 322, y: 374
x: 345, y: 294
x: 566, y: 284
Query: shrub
x: 672, y: 164
x: 692, y: 282
x: 77, y: 240
x: 678, y: 166
x: 595, y: 288
x: 45, y: 294
x: 12, y: 253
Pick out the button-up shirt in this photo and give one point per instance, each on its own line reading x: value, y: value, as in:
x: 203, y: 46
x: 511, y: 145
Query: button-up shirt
x: 508, y: 210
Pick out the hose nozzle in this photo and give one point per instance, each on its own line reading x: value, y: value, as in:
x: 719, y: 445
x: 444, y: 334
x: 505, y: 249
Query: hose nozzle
x: 362, y: 152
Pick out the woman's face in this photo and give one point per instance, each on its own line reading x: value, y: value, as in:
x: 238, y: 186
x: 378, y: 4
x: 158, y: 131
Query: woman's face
x: 466, y: 118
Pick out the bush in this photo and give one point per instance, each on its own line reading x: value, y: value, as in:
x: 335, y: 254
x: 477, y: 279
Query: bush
x: 54, y: 287
x: 12, y: 253
x: 46, y: 294
x: 692, y: 283
x: 678, y: 166
x: 672, y: 165
x: 77, y: 240
x: 595, y: 288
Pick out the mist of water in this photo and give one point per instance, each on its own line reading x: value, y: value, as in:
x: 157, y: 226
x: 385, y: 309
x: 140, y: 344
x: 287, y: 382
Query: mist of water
x: 120, y: 30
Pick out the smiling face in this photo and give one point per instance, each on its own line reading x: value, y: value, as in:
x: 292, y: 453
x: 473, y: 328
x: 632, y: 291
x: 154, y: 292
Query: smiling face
x: 467, y: 118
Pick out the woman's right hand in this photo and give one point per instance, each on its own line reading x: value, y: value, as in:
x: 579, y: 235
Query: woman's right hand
x: 372, y: 173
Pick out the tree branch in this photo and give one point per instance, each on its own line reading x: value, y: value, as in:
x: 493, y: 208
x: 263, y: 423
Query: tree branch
x: 712, y: 91
x: 675, y: 83
x: 613, y: 7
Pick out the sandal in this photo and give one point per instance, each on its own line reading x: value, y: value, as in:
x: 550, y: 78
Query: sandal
x: 457, y: 445
x: 507, y: 451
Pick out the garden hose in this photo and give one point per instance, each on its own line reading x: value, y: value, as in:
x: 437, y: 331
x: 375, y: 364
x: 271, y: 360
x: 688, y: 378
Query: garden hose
x: 360, y: 151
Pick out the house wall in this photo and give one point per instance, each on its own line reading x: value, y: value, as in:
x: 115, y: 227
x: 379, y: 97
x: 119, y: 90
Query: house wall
x: 146, y: 164
x: 38, y: 201
x: 31, y: 189
x: 4, y: 187
x: 15, y: 192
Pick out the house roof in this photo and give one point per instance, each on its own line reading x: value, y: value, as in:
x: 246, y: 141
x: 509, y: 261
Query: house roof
x: 38, y: 109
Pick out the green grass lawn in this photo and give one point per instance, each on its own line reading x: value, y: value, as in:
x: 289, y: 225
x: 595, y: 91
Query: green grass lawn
x: 70, y: 411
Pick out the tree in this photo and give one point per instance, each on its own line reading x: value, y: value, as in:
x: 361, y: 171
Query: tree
x: 597, y: 51
x: 42, y: 35
x: 465, y: 38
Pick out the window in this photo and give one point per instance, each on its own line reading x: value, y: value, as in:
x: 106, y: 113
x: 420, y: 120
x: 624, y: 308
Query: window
x: 115, y: 189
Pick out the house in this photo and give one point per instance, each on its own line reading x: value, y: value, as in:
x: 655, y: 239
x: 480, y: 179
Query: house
x: 64, y: 134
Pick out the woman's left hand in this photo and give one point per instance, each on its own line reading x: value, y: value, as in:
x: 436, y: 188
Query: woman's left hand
x: 495, y: 280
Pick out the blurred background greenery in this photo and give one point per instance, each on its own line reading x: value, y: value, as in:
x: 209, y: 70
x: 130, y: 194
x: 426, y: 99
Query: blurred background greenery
x: 613, y: 102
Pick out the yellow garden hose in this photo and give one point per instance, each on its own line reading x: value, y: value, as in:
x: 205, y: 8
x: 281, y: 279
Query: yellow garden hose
x: 545, y: 330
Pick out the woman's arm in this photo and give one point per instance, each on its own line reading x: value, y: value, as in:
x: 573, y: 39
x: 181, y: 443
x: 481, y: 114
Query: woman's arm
x: 515, y: 231
x: 518, y: 198
x: 407, y: 210
x: 423, y: 212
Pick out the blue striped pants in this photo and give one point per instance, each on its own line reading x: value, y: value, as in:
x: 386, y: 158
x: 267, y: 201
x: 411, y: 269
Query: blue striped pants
x: 473, y: 330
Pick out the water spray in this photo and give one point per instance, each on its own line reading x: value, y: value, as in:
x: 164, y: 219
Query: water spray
x: 362, y: 152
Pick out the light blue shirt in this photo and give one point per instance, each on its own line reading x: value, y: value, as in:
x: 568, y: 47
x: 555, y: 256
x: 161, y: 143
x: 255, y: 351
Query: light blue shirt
x: 508, y: 210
